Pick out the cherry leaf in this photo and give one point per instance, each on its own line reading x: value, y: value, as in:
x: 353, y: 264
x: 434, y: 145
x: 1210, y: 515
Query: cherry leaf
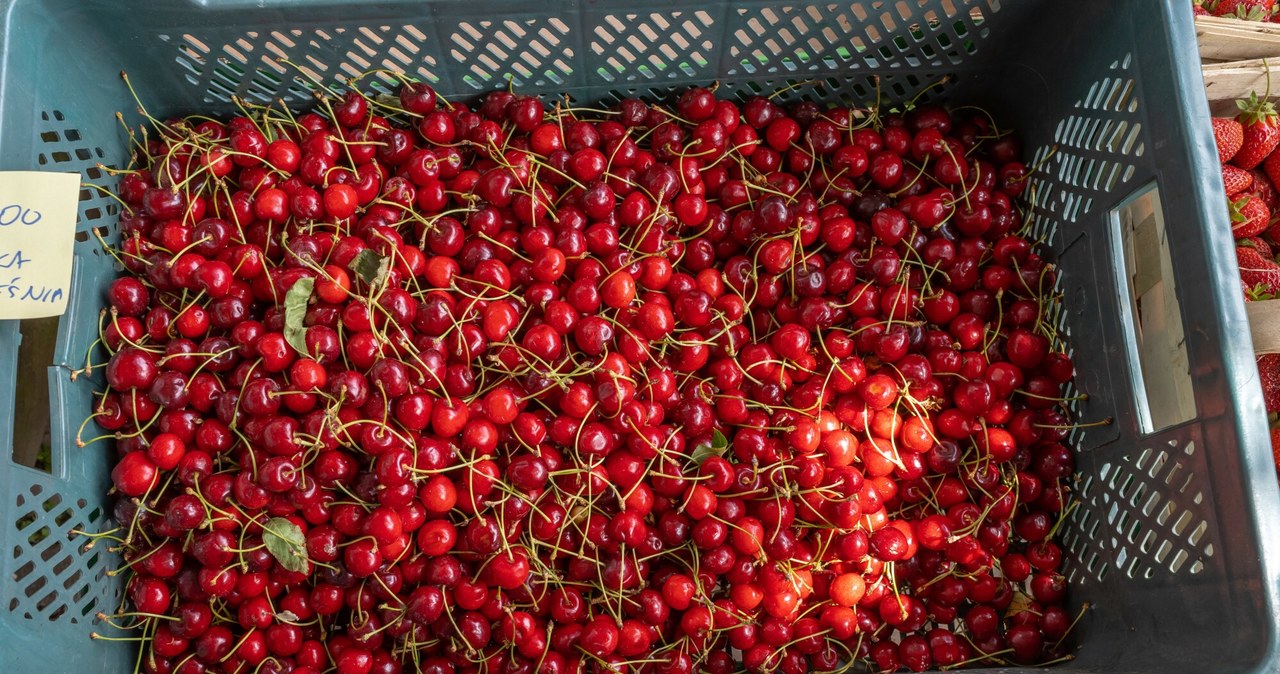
x: 717, y: 447
x: 286, y: 542
x: 295, y: 314
x: 371, y: 267
x: 1021, y: 602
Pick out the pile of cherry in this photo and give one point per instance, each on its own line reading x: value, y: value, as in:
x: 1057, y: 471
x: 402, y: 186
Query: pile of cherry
x: 402, y: 385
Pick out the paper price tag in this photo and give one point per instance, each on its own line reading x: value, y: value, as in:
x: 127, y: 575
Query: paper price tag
x: 37, y: 236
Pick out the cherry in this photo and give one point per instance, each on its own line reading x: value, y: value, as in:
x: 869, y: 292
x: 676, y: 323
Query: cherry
x: 362, y: 557
x: 354, y: 660
x: 131, y: 368
x: 135, y: 474
x: 599, y: 637
x: 1026, y: 642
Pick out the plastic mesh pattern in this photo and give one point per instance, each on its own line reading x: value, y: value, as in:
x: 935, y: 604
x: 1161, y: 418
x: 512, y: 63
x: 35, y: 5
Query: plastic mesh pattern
x: 1143, y: 515
x: 264, y: 66
x: 653, y: 46
x: 632, y: 50
x: 63, y: 148
x: 1093, y: 150
x: 535, y: 53
x: 54, y: 577
x: 827, y: 37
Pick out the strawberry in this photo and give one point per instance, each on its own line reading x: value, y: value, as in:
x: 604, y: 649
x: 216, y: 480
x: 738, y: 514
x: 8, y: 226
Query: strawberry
x: 1257, y: 270
x: 1249, y: 216
x: 1249, y: 10
x: 1260, y: 245
x: 1275, y: 447
x: 1261, y: 130
x: 1269, y: 375
x: 1228, y: 135
x: 1271, y: 166
x: 1258, y: 293
x: 1235, y: 180
x: 1263, y: 188
x: 1272, y: 234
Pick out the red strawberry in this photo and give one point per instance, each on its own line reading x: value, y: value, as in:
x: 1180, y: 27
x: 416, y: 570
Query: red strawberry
x: 1249, y: 10
x: 1257, y: 270
x: 1249, y: 216
x: 1261, y: 131
x: 1275, y: 447
x: 1263, y: 188
x: 1271, y: 166
x: 1272, y: 234
x: 1260, y: 245
x: 1269, y: 375
x: 1228, y: 135
x: 1258, y: 293
x: 1235, y: 180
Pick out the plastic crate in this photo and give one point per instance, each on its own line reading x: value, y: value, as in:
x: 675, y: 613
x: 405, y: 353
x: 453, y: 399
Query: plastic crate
x: 1175, y: 541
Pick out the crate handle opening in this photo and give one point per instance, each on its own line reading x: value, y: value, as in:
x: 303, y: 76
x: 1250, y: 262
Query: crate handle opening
x: 32, y: 443
x: 1153, y: 329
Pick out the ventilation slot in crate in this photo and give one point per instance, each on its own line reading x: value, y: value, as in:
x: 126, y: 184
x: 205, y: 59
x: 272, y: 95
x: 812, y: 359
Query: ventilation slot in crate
x: 534, y: 53
x: 54, y: 577
x: 1093, y: 150
x: 823, y: 38
x: 286, y: 64
x: 1143, y: 515
x: 63, y: 148
x: 653, y: 46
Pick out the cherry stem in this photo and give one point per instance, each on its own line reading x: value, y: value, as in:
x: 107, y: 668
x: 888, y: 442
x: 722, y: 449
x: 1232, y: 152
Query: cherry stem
x: 1071, y: 427
x: 1084, y: 608
x: 1066, y: 512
